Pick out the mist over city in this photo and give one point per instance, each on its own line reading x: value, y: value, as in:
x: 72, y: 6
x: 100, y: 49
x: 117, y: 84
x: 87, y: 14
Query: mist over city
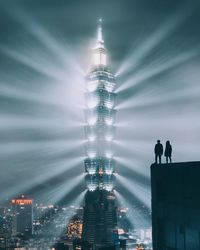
x: 47, y: 155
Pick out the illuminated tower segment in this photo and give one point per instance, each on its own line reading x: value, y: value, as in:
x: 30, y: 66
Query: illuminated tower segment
x: 100, y: 115
x: 100, y: 217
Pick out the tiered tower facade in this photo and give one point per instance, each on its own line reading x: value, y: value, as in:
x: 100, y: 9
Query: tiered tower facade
x: 100, y: 212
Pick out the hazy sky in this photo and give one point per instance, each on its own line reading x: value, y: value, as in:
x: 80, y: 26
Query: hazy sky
x: 45, y: 51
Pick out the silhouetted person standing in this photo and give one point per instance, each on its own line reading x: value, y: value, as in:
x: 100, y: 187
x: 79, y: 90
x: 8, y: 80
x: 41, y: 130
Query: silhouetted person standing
x: 168, y: 152
x: 158, y: 150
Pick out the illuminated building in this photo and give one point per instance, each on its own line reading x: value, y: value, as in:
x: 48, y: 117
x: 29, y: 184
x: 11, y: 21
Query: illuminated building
x: 22, y: 216
x: 100, y: 219
x: 140, y: 247
x: 74, y: 229
x: 176, y: 206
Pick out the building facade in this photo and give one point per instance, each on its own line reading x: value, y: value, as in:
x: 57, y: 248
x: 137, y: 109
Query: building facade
x: 100, y: 219
x: 22, y: 216
x: 176, y: 206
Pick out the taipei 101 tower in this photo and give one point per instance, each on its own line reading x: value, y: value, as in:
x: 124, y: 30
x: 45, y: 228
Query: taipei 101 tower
x: 100, y: 219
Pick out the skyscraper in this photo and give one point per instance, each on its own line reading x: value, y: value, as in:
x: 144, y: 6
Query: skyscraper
x: 22, y: 216
x: 100, y: 219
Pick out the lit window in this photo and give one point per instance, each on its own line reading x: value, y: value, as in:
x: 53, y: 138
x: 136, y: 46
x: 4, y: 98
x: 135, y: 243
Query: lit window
x: 99, y: 58
x: 103, y: 59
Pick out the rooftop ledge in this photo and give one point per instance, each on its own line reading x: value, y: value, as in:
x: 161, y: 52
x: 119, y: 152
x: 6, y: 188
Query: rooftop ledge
x: 176, y: 164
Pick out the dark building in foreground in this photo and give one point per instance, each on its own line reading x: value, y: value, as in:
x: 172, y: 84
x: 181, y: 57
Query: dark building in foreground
x: 176, y: 206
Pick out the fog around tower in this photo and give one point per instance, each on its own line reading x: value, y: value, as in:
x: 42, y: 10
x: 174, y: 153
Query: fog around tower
x: 45, y: 53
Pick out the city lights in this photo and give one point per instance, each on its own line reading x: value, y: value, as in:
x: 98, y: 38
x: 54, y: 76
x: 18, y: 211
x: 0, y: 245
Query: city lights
x: 22, y: 202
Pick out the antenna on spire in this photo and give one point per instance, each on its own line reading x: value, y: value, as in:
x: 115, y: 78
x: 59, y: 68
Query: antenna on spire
x: 99, y: 35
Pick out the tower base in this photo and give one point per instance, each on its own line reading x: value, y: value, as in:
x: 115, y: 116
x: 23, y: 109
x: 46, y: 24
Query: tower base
x: 100, y: 219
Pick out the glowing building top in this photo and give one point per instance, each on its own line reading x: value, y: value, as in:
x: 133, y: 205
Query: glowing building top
x: 99, y: 49
x: 100, y: 114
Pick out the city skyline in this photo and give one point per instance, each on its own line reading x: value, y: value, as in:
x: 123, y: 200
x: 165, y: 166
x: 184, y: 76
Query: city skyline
x: 45, y: 51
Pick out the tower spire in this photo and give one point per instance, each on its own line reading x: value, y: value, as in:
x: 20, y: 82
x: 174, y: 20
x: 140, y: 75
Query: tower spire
x: 99, y: 35
x: 99, y: 49
x: 100, y: 41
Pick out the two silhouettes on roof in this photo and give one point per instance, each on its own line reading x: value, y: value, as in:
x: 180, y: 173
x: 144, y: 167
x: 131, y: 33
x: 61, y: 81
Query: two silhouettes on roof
x: 158, y: 150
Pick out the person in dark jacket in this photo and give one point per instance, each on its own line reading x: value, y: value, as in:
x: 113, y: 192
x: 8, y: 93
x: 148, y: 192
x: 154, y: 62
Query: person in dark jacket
x: 168, y: 152
x: 158, y: 150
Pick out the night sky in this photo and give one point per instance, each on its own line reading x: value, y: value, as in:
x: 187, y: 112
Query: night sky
x: 45, y: 52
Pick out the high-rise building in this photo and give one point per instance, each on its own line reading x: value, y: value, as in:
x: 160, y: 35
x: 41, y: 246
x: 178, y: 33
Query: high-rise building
x: 2, y: 242
x: 22, y: 216
x: 176, y: 206
x: 100, y: 219
x: 74, y: 228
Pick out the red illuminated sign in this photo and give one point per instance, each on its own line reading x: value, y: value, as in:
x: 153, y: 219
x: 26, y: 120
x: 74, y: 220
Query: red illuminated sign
x: 22, y: 202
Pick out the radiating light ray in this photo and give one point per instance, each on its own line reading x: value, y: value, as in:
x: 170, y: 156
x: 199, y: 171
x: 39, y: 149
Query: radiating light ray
x: 43, y: 175
x: 152, y: 72
x: 136, y: 218
x: 23, y: 147
x: 136, y: 177
x: 142, y: 193
x: 139, y: 53
x: 38, y: 98
x: 14, y: 121
x: 133, y: 164
x: 20, y: 93
x: 78, y: 201
x: 51, y: 95
x: 135, y: 147
x: 152, y: 98
x: 25, y: 59
x: 27, y: 135
x: 37, y: 31
x: 162, y: 103
x: 57, y: 193
x: 153, y: 124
